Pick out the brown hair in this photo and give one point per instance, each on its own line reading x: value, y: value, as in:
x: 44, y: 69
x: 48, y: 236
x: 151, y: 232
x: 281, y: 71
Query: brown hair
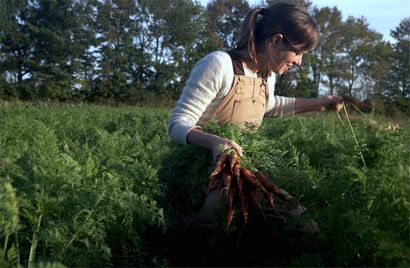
x: 296, y: 25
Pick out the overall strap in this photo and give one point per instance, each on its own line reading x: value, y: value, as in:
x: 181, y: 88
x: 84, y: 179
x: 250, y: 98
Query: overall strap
x: 239, y: 70
x: 236, y: 62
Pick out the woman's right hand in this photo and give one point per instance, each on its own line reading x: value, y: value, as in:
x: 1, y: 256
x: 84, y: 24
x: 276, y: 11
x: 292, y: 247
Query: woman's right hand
x: 220, y: 145
x: 212, y: 142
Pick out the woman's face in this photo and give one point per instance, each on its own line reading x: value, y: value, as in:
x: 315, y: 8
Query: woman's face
x: 280, y: 56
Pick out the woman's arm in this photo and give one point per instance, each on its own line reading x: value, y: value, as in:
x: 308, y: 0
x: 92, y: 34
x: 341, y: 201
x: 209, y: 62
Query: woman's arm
x: 209, y: 76
x: 212, y: 142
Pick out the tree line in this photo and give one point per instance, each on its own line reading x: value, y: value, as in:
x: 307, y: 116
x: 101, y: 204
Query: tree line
x: 139, y: 51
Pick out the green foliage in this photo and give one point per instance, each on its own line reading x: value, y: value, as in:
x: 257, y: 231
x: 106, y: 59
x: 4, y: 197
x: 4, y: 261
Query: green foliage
x: 97, y: 186
x: 362, y: 211
x: 9, y: 223
x: 81, y: 175
x: 9, y: 212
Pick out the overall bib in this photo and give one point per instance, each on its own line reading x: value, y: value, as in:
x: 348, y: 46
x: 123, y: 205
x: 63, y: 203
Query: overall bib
x: 246, y: 101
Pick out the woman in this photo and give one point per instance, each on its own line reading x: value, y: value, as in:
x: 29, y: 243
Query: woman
x: 238, y: 85
x: 273, y: 40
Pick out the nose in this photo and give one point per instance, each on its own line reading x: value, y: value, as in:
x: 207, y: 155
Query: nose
x: 298, y: 60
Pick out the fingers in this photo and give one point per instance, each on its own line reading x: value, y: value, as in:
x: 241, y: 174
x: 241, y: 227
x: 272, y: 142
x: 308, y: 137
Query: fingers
x: 335, y: 103
x: 226, y: 144
x: 230, y: 144
x: 338, y: 106
x: 237, y: 147
x: 322, y: 108
x: 338, y: 103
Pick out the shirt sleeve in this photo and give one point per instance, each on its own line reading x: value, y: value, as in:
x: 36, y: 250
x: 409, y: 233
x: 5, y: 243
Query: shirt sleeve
x: 205, y: 81
x: 278, y: 106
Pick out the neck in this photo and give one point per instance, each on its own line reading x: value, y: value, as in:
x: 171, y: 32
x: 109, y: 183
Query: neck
x: 246, y: 59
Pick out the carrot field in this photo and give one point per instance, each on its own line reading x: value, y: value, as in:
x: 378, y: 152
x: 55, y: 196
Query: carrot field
x: 93, y: 186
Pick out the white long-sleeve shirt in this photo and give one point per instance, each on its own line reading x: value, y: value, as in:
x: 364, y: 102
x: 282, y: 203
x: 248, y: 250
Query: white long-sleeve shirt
x: 209, y: 82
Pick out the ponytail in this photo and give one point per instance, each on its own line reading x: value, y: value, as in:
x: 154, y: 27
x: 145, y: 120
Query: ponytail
x: 247, y: 37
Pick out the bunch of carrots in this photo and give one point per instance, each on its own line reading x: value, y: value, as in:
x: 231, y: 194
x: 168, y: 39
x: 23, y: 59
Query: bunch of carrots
x: 241, y: 187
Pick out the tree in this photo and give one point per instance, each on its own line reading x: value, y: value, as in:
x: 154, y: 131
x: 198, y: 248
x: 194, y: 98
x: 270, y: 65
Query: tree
x: 225, y: 18
x: 379, y: 65
x: 51, y: 25
x: 42, y: 45
x: 358, y: 44
x: 395, y: 87
x: 307, y: 85
x: 177, y: 37
x: 16, y: 48
x: 84, y: 54
x: 401, y: 65
x: 116, y: 23
x: 325, y: 60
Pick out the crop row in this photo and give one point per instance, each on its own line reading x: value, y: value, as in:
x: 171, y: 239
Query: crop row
x: 99, y: 186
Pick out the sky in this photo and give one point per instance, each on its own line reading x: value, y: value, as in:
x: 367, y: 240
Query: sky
x: 381, y: 15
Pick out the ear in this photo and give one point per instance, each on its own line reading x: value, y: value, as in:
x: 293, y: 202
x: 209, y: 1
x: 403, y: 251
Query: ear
x: 275, y: 39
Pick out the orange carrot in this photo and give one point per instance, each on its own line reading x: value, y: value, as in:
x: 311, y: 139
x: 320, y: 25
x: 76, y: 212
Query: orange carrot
x: 230, y: 215
x: 249, y: 176
x: 271, y: 186
x: 232, y: 158
x: 226, y: 183
x: 231, y: 208
x: 231, y: 197
x: 270, y: 198
x: 244, y: 208
x: 237, y: 169
x: 240, y: 185
x: 220, y: 164
x: 213, y: 183
x: 254, y: 197
x: 242, y: 199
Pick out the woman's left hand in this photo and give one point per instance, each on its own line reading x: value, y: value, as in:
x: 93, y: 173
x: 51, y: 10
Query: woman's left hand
x: 334, y: 103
